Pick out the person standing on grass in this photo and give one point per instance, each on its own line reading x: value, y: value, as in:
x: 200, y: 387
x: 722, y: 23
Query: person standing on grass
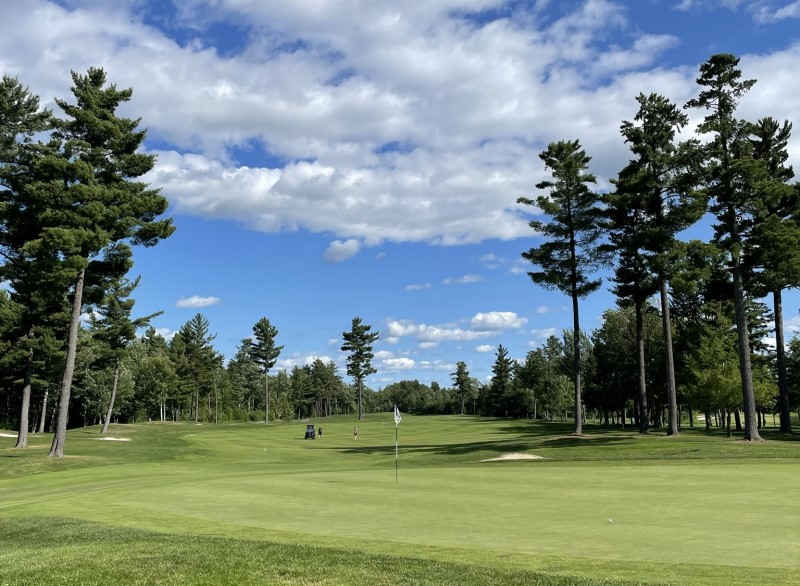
x: 355, y: 433
x: 319, y: 432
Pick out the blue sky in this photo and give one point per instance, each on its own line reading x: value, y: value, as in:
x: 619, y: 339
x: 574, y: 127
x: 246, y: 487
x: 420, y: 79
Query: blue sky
x: 326, y: 159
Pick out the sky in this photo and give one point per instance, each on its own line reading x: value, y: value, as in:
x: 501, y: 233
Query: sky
x: 327, y: 159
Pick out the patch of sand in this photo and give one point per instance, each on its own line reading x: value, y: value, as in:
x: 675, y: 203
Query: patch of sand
x: 114, y: 439
x: 8, y: 435
x: 515, y: 456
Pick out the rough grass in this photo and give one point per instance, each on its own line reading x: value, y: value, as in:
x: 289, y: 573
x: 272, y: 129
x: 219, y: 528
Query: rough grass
x: 203, y: 504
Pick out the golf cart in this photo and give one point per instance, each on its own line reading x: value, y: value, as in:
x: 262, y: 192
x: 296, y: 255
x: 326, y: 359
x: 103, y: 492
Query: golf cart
x: 310, y: 432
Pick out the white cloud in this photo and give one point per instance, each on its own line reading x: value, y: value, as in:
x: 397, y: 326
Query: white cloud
x: 543, y: 309
x: 418, y: 287
x: 428, y: 345
x: 339, y: 251
x: 540, y: 335
x: 196, y: 301
x: 398, y: 364
x: 462, y: 280
x: 166, y: 333
x: 298, y: 359
x: 497, y: 320
x: 484, y: 348
x: 428, y: 134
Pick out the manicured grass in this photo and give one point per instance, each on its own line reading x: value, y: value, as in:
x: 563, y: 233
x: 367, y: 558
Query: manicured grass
x: 249, y: 504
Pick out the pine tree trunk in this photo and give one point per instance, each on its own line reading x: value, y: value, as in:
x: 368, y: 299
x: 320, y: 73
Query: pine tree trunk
x: 738, y: 418
x: 113, y: 398
x: 266, y: 397
x: 360, y: 412
x: 43, y: 417
x: 642, y: 376
x: 745, y: 369
x: 576, y: 361
x: 783, y: 385
x: 59, y: 437
x: 669, y: 361
x: 22, y: 438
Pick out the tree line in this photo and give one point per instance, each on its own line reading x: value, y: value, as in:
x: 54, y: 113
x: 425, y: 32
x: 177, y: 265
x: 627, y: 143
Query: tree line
x: 687, y: 332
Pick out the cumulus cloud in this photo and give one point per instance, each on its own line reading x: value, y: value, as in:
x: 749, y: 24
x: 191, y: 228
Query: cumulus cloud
x: 196, y: 301
x: 298, y: 359
x: 484, y: 348
x: 166, y: 333
x: 462, y: 280
x: 339, y: 251
x: 481, y: 325
x: 540, y: 335
x: 390, y: 123
x: 497, y: 320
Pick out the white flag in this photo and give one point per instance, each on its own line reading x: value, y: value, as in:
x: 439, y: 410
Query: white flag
x: 396, y: 415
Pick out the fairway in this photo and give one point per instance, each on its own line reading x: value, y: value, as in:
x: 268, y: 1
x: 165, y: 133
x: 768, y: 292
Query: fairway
x: 608, y: 507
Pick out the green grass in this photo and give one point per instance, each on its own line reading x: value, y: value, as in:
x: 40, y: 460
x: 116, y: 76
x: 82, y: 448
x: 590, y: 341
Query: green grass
x: 205, y: 504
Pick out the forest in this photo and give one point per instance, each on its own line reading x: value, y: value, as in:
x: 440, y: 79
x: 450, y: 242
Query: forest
x: 684, y: 346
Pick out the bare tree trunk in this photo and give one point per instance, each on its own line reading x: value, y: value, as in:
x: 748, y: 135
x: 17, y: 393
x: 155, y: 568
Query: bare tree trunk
x: 783, y: 385
x: 22, y: 438
x: 745, y: 369
x: 113, y: 398
x: 43, y: 418
x: 266, y: 397
x: 576, y: 361
x: 59, y: 437
x: 360, y: 411
x: 643, y: 420
x: 669, y: 361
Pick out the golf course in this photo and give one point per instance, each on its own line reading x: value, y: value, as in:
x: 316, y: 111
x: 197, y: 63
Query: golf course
x: 468, y: 501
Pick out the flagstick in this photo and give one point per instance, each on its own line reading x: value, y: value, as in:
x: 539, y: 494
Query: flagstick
x: 395, y: 454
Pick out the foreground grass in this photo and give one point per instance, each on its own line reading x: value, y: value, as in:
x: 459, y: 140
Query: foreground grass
x: 188, y: 504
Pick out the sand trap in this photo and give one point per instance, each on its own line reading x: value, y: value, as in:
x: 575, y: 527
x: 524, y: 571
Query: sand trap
x: 8, y: 435
x: 114, y: 439
x: 516, y: 456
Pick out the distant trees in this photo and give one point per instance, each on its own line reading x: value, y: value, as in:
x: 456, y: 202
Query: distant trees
x: 461, y: 382
x: 358, y: 343
x: 572, y: 251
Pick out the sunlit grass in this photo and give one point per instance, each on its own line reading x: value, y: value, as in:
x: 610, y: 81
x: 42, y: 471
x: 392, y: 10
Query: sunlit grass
x: 699, y: 508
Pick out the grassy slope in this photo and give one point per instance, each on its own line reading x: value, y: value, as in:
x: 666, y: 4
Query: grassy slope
x: 693, y: 509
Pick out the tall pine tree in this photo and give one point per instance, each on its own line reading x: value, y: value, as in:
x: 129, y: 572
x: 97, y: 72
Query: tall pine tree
x: 358, y: 343
x: 265, y: 353
x: 573, y: 250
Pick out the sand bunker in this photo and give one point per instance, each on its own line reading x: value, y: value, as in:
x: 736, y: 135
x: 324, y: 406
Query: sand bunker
x: 114, y: 439
x: 515, y: 456
x: 8, y: 435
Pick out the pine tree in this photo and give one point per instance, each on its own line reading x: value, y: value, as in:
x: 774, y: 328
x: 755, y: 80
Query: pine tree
x: 93, y: 201
x: 573, y: 251
x: 265, y: 353
x: 775, y: 243
x: 113, y: 327
x: 358, y: 342
x: 730, y: 175
x: 501, y: 381
x: 461, y: 381
x: 656, y: 191
x: 197, y: 358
